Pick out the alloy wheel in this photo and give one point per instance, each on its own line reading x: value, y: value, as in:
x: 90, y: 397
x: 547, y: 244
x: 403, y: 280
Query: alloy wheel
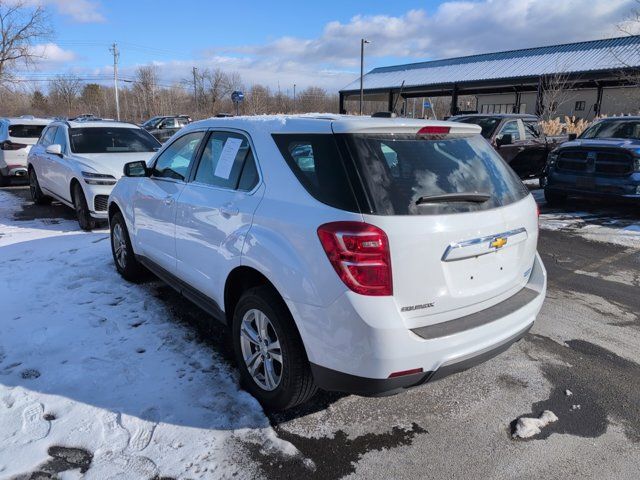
x: 261, y: 350
x: 33, y: 185
x: 119, y: 245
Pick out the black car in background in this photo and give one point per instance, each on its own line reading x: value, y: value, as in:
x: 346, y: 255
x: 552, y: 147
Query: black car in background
x: 517, y: 138
x: 163, y: 127
x: 604, y: 161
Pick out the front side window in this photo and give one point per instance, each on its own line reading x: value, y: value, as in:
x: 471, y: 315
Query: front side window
x: 48, y: 136
x: 223, y: 160
x: 111, y: 140
x: 174, y: 161
x: 401, y: 172
x: 511, y: 128
x: 613, y: 129
x: 61, y: 138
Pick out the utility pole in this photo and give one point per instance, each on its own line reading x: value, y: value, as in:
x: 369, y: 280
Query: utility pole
x: 294, y: 98
x: 116, y: 55
x: 362, y: 42
x: 195, y: 88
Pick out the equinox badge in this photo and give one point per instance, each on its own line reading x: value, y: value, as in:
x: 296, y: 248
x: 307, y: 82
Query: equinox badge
x: 498, y: 242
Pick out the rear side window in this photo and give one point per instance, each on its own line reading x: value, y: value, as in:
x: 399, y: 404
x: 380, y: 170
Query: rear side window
x: 111, y: 140
x: 318, y: 165
x: 25, y: 131
x: 223, y: 159
x: 399, y: 170
x: 531, y: 130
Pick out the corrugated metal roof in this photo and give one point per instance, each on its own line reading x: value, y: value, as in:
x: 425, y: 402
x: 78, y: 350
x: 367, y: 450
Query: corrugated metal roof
x: 588, y: 56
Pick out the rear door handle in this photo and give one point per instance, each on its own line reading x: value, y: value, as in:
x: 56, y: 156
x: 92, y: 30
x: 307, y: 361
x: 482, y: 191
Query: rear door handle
x: 168, y: 201
x: 228, y: 210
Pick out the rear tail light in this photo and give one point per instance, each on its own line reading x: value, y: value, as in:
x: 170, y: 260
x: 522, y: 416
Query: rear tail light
x: 359, y: 253
x: 9, y: 145
x: 434, y: 130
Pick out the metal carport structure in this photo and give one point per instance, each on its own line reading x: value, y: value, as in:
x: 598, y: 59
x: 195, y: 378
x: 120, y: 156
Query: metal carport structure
x: 593, y: 64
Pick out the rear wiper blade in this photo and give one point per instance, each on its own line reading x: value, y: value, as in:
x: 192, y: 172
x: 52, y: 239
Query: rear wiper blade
x: 473, y: 197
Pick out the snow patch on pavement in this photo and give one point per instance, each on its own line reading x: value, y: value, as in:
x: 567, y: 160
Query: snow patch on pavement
x: 527, y: 427
x: 90, y: 361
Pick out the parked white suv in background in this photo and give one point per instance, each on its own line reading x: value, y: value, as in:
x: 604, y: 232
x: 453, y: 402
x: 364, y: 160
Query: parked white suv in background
x: 364, y: 255
x: 79, y: 162
x: 17, y: 135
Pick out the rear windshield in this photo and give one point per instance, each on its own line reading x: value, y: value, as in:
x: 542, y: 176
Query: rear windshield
x: 487, y: 124
x: 395, y: 174
x: 25, y: 131
x: 111, y: 140
x: 613, y: 129
x: 400, y: 172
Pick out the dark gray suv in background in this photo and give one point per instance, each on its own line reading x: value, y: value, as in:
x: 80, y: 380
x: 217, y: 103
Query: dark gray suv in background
x: 163, y: 127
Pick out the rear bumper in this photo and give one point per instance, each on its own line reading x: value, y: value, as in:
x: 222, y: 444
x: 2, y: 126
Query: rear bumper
x: 333, y: 380
x: 356, y: 351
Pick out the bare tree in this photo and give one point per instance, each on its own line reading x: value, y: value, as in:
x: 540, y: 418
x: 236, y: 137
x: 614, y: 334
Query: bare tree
x: 146, y: 86
x: 65, y: 90
x: 22, y: 24
x: 557, y: 91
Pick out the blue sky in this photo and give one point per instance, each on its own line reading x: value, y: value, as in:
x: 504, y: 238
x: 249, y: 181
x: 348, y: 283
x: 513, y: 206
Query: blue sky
x: 308, y: 43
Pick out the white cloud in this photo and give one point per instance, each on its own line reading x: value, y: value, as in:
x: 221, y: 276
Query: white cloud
x: 81, y: 11
x: 52, y: 53
x: 455, y: 28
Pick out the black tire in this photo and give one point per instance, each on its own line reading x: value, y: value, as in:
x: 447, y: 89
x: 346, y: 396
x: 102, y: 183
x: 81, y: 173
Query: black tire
x: 554, y: 199
x: 4, y: 181
x: 125, y: 260
x: 296, y: 384
x: 37, y: 196
x: 85, y: 220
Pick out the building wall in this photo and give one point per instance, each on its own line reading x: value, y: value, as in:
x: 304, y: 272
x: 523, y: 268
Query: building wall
x: 615, y: 101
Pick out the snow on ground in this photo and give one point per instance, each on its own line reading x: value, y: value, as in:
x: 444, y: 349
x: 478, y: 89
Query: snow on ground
x: 527, y: 427
x: 90, y: 361
x: 601, y: 225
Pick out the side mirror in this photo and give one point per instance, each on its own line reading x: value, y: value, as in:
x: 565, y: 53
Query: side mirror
x: 54, y: 149
x: 572, y: 136
x: 136, y: 169
x: 506, y: 139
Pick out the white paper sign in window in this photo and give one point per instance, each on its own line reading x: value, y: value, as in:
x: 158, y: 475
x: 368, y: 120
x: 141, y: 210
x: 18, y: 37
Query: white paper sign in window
x: 227, y: 157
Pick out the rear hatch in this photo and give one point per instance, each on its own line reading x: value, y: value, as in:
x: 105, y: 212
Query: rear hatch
x: 462, y: 227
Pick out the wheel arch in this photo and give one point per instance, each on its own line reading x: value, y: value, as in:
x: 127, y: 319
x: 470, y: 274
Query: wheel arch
x: 240, y: 279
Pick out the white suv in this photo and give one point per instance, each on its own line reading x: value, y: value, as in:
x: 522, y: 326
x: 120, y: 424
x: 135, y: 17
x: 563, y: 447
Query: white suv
x: 79, y: 162
x: 17, y: 135
x: 364, y: 255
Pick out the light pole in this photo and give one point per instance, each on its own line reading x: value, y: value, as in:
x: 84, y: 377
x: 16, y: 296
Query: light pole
x: 362, y: 42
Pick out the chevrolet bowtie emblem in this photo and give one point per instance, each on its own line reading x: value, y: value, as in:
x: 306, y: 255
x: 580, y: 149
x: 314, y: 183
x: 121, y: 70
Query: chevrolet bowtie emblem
x: 498, y: 242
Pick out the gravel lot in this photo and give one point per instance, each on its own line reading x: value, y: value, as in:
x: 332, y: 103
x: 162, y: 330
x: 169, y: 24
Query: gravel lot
x: 586, y: 341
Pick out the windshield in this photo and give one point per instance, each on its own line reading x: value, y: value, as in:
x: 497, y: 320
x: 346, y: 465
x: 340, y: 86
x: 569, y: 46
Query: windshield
x: 25, y: 131
x: 401, y: 172
x: 487, y: 124
x: 613, y: 129
x: 111, y: 140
